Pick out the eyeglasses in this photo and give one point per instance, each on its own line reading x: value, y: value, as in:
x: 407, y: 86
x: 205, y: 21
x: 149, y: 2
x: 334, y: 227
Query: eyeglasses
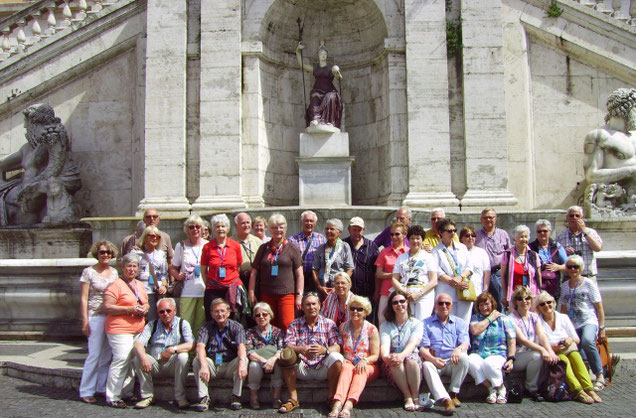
x: 443, y: 303
x: 521, y: 298
x: 151, y: 216
x: 356, y: 309
x: 542, y: 304
x: 105, y: 252
x: 572, y: 266
x: 194, y: 227
x: 452, y: 231
x: 395, y: 234
x: 543, y: 231
x: 163, y: 311
x: 261, y: 315
x: 398, y: 302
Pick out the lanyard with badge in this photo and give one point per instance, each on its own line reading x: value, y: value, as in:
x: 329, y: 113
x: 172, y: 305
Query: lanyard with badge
x: 197, y: 257
x: 150, y: 261
x: 525, y: 281
x: 399, y: 347
x: 221, y: 268
x: 354, y: 348
x: 571, y: 310
x: 218, y: 359
x: 248, y: 250
x: 274, y: 271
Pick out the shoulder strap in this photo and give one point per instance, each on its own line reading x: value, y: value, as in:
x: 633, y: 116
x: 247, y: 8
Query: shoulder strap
x: 311, y: 237
x: 181, y: 340
x: 154, y: 327
x: 151, y: 269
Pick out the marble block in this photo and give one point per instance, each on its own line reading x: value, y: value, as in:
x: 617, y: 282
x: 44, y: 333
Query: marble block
x: 324, y: 181
x: 68, y: 241
x: 324, y: 144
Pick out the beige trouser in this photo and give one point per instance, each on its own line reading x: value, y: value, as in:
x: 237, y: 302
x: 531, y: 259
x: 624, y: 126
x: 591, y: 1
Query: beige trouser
x: 224, y: 370
x: 176, y: 366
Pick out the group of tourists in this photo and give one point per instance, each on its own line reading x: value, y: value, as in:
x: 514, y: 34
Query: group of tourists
x: 411, y: 303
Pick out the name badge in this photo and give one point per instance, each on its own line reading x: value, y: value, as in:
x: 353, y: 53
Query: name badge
x: 356, y: 360
x: 221, y: 272
x: 274, y: 270
x: 218, y: 359
x: 197, y: 270
x: 525, y: 281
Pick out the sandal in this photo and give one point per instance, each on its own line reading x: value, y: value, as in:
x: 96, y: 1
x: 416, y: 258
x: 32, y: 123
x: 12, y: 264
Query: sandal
x: 88, y: 399
x: 289, y: 406
x: 117, y: 404
x: 408, y: 405
x: 502, y: 395
x: 346, y: 411
x: 492, y: 397
x: 594, y: 396
x: 335, y: 409
x: 584, y: 398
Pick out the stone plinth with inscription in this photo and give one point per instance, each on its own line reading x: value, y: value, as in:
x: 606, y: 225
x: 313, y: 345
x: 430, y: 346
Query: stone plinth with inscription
x: 324, y: 169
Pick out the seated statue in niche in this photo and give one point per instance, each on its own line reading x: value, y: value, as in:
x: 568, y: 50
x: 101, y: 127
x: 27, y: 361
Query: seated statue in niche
x: 610, y: 158
x: 43, y: 191
x: 324, y: 112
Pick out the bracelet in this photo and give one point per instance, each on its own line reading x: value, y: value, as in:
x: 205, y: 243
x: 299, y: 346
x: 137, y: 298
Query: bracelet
x: 513, y: 358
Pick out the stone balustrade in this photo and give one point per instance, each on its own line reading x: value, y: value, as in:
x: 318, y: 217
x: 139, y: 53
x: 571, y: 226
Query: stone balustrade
x: 621, y: 10
x: 43, y: 20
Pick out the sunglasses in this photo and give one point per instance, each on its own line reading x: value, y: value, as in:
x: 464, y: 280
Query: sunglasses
x: 543, y: 231
x: 356, y: 309
x: 542, y: 304
x: 572, y: 266
x: 163, y: 311
x: 452, y: 231
x: 399, y: 302
x: 261, y: 315
x: 395, y: 234
x: 442, y: 303
x: 470, y: 236
x: 104, y: 252
x: 153, y: 236
x: 195, y: 227
x: 521, y: 298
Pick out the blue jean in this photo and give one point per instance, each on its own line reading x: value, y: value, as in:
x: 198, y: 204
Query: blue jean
x: 587, y: 348
x: 495, y: 289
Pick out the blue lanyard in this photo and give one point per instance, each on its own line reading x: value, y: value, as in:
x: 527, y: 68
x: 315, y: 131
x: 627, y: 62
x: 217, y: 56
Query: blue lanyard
x: 219, y: 340
x: 357, y: 341
x: 150, y: 260
x: 268, y: 338
x: 400, y: 328
x: 197, y: 256
x: 222, y: 254
x: 278, y: 250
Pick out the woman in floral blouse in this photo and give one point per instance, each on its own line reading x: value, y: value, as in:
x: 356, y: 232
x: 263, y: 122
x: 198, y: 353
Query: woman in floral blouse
x: 264, y: 343
x: 361, y: 348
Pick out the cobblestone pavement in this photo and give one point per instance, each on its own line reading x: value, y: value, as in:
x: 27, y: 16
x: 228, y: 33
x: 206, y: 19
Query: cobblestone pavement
x: 19, y: 398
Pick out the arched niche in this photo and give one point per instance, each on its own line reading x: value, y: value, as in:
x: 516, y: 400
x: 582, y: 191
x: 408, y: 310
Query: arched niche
x: 355, y: 34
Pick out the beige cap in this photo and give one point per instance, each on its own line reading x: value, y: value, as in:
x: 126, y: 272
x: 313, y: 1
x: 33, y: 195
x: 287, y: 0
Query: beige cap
x: 356, y: 221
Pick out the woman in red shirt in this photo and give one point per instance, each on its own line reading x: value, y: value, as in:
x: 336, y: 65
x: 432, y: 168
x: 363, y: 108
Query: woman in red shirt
x: 384, y: 267
x: 220, y: 261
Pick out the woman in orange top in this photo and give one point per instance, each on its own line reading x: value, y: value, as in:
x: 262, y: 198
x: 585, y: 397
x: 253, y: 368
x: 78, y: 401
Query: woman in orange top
x: 126, y: 304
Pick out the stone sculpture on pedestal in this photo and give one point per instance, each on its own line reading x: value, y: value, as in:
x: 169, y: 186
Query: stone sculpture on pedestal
x: 42, y: 192
x: 324, y: 112
x: 610, y: 164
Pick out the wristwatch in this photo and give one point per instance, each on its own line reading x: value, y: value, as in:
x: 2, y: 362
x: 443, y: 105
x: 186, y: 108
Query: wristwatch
x: 327, y: 352
x: 513, y: 358
x: 601, y: 328
x: 175, y: 349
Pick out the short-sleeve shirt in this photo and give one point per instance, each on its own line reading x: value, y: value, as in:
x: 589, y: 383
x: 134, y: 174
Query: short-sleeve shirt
x: 441, y: 338
x: 186, y: 258
x: 97, y: 284
x: 578, y: 241
x: 562, y: 328
x: 248, y: 251
x: 288, y: 260
x: 300, y: 240
x: 399, y: 337
x: 527, y: 328
x: 386, y: 261
x: 125, y: 296
x: 229, y: 258
x: 579, y: 302
x: 159, y: 264
x: 254, y: 339
x: 360, y: 347
x: 493, y: 340
x: 158, y: 342
x: 413, y: 270
x: 328, y: 261
x: 225, y: 342
x: 363, y: 279
x: 324, y: 333
x: 495, y: 245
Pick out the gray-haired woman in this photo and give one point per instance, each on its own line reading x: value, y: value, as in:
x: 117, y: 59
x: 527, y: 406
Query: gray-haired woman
x: 520, y: 266
x: 552, y: 256
x: 186, y: 267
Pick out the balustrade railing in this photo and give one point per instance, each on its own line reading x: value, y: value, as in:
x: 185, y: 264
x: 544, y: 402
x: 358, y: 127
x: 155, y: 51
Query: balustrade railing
x: 44, y: 19
x: 621, y: 10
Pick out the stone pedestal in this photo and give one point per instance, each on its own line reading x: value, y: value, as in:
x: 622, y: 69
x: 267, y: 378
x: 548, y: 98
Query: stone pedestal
x: 324, y: 169
x: 52, y: 242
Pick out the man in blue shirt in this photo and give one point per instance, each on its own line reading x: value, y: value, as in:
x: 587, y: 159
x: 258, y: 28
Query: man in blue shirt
x: 162, y: 350
x: 443, y: 349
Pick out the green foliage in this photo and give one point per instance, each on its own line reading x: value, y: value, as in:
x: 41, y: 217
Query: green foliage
x: 453, y: 37
x: 554, y: 10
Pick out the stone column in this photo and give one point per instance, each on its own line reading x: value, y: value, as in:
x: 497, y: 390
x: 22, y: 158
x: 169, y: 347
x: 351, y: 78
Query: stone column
x: 220, y: 108
x: 427, y: 100
x: 164, y: 184
x: 484, y: 105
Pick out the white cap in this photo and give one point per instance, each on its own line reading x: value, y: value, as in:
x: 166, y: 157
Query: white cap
x: 356, y: 221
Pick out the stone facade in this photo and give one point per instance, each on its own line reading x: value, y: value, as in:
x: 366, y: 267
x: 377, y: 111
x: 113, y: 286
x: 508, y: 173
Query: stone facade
x: 191, y: 104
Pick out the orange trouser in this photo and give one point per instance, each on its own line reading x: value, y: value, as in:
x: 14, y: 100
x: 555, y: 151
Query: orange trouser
x: 351, y: 384
x: 283, y: 308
